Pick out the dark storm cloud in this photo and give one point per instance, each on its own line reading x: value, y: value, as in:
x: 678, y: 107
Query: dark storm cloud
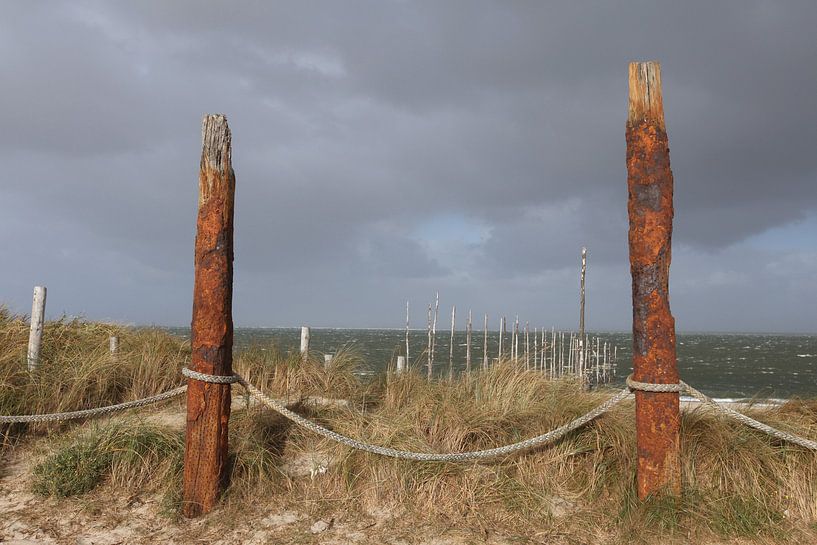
x: 388, y: 149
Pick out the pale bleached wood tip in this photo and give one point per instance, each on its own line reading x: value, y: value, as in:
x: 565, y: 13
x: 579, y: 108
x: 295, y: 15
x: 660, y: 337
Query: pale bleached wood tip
x: 216, y: 143
x: 646, y: 102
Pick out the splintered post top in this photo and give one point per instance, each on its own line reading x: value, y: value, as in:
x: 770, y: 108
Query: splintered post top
x: 646, y: 104
x: 215, y: 143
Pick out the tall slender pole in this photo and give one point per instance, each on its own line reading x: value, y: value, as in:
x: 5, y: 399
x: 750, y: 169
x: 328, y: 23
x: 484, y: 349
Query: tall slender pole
x: 485, y: 344
x: 208, y: 404
x: 407, y: 332
x: 515, y: 346
x: 598, y: 355
x: 35, y: 334
x: 451, y: 344
x: 468, y: 343
x: 650, y: 188
x: 434, y: 327
x: 429, y: 355
x: 582, y: 363
x: 535, y: 347
x: 562, y: 349
x: 501, y: 334
x: 527, y: 347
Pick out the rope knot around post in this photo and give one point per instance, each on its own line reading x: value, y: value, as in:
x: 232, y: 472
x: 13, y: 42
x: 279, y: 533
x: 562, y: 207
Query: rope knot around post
x: 679, y: 387
x: 212, y: 379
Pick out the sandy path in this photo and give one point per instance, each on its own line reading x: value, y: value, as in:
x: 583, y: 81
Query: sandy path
x: 103, y: 518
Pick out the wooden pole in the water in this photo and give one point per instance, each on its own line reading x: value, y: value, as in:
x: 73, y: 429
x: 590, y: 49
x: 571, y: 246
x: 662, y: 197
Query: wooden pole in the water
x: 451, y: 344
x: 407, y: 332
x: 430, y: 363
x: 485, y: 344
x: 580, y: 351
x: 35, y: 334
x: 208, y: 404
x: 305, y: 335
x: 434, y: 327
x: 515, y: 346
x: 553, y: 351
x: 527, y: 347
x: 468, y: 332
x: 535, y: 347
x: 650, y: 188
x: 501, y: 336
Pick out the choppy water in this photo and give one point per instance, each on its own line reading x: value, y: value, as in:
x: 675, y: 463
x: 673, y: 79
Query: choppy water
x: 720, y: 365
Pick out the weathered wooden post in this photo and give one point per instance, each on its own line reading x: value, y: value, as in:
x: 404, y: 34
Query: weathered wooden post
x: 580, y: 339
x: 429, y: 353
x: 468, y: 332
x: 650, y: 186
x: 208, y: 404
x: 113, y: 345
x: 451, y: 344
x: 485, y: 343
x: 501, y: 335
x: 401, y: 364
x: 327, y: 360
x: 304, y: 342
x: 407, y: 331
x: 35, y: 334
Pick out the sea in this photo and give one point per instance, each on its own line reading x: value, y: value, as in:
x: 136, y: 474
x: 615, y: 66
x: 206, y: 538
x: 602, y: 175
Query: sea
x: 727, y: 366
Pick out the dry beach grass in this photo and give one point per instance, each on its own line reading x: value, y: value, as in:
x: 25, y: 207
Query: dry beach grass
x: 738, y: 484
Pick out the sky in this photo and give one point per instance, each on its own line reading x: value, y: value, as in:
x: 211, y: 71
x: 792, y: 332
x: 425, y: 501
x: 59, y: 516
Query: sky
x: 385, y: 150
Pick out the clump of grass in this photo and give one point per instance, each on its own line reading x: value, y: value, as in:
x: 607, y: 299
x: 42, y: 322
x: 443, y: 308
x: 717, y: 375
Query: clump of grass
x: 131, y: 455
x: 137, y: 457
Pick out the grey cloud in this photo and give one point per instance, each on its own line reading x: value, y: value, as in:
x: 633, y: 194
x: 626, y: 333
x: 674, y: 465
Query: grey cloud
x: 356, y: 124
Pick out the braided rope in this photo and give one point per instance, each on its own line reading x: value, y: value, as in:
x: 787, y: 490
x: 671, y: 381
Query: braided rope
x: 57, y: 417
x: 539, y: 440
x: 751, y: 422
x: 214, y: 379
x: 542, y: 439
x: 652, y: 387
x: 683, y: 387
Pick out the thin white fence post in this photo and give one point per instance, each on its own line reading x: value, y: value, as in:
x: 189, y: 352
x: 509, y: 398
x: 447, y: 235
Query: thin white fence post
x: 305, y: 342
x: 407, y: 331
x: 468, y: 332
x: 451, y: 344
x: 35, y: 336
x: 113, y: 345
x: 485, y: 344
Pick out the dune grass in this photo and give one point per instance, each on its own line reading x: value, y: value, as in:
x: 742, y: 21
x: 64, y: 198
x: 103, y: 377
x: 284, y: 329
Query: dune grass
x: 76, y: 370
x: 738, y: 483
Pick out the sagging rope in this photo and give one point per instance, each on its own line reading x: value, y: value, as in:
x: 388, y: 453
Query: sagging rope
x: 86, y: 413
x: 281, y: 409
x: 539, y: 440
x: 549, y: 437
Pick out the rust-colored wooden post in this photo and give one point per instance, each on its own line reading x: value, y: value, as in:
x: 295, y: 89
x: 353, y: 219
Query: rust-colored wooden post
x: 208, y: 404
x: 649, y: 183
